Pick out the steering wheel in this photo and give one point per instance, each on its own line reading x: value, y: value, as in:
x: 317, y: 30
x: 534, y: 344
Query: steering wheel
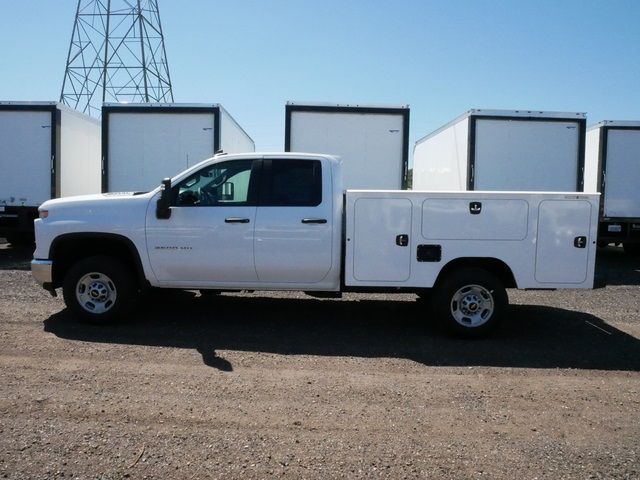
x: 189, y: 197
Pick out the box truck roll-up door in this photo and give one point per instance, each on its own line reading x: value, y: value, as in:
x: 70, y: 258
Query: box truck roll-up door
x: 510, y: 155
x: 563, y: 243
x: 146, y: 147
x: 370, y: 145
x: 622, y: 180
x: 25, y: 150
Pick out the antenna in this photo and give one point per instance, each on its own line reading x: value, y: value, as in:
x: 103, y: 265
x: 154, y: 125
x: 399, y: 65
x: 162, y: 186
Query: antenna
x: 116, y: 54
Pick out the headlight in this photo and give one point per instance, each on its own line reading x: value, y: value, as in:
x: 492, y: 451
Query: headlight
x: 43, y: 213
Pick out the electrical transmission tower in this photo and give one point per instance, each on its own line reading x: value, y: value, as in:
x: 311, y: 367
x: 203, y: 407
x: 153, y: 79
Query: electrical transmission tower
x: 116, y: 54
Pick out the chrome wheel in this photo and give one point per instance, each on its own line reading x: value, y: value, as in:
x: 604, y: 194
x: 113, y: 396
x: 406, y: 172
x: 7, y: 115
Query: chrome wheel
x: 472, y: 306
x: 96, y: 292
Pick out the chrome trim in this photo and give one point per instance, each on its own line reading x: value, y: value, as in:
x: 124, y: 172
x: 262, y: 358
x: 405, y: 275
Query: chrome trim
x: 41, y: 271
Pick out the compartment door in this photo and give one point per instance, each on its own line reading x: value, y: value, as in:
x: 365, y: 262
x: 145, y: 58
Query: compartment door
x: 563, y: 243
x: 382, y: 239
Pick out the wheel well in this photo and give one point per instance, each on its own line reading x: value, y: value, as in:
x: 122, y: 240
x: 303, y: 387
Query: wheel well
x: 68, y: 249
x: 493, y: 265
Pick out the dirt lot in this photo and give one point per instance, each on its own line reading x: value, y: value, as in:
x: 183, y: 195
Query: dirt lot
x: 283, y: 385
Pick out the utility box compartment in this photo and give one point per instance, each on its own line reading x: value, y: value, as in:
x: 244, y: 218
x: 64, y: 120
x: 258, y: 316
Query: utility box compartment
x: 612, y: 167
x: 503, y: 151
x: 47, y: 150
x: 372, y: 141
x: 144, y: 143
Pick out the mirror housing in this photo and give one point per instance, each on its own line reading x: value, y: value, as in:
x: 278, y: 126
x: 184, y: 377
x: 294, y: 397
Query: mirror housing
x: 163, y: 207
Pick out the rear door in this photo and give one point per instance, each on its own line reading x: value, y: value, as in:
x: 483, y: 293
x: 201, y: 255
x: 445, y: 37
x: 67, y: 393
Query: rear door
x: 563, y: 243
x: 27, y: 159
x: 622, y: 175
x: 294, y: 222
x: 526, y: 155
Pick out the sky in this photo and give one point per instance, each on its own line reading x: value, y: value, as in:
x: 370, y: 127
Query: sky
x: 440, y: 57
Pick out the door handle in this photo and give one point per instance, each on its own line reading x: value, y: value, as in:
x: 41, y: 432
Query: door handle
x: 580, y: 242
x: 236, y: 220
x: 314, y: 220
x: 402, y: 240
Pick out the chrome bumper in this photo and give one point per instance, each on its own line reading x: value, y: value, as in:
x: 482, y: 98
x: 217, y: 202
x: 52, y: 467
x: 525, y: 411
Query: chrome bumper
x: 41, y: 271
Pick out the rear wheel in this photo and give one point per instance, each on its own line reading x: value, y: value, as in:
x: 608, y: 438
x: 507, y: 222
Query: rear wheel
x: 470, y: 302
x: 632, y: 249
x: 99, y: 289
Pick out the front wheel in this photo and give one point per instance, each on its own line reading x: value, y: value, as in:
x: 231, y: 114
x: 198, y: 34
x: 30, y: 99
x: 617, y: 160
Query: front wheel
x: 99, y: 289
x: 470, y: 302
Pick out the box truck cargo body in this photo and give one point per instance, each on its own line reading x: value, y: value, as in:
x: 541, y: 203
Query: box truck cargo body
x: 372, y: 141
x: 144, y: 143
x: 504, y: 151
x: 612, y: 167
x: 47, y: 150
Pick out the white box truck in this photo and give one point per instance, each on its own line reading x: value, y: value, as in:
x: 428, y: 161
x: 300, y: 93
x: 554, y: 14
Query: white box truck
x: 612, y: 167
x: 47, y: 150
x: 373, y: 141
x: 145, y: 141
x: 504, y: 151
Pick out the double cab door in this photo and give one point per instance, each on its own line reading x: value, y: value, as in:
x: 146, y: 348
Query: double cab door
x: 238, y: 223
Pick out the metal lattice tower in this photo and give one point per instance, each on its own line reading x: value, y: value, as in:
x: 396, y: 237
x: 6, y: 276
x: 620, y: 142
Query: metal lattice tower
x: 116, y: 54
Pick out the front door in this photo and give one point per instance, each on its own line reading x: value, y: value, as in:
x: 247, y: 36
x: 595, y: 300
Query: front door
x: 294, y: 222
x: 208, y: 239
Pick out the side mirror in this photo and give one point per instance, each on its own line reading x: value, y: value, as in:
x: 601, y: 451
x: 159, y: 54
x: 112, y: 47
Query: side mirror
x: 227, y: 191
x: 163, y: 207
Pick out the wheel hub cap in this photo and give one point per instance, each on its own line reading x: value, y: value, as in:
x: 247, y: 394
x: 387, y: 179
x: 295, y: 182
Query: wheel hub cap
x: 96, y: 292
x: 472, y: 305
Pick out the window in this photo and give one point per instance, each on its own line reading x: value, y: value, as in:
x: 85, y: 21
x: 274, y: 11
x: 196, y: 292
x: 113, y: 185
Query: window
x: 220, y: 184
x: 294, y: 183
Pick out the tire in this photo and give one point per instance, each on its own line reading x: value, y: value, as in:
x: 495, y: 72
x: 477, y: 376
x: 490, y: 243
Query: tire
x: 99, y: 289
x: 470, y: 302
x: 631, y: 249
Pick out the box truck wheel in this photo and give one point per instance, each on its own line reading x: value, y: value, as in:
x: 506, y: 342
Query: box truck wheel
x: 470, y: 301
x: 99, y: 289
x: 21, y: 239
x: 632, y: 249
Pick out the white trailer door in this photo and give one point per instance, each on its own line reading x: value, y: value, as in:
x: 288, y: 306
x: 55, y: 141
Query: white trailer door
x: 563, y: 242
x: 525, y: 155
x: 622, y: 187
x: 145, y: 147
x: 381, y: 239
x: 26, y: 157
x: 370, y: 145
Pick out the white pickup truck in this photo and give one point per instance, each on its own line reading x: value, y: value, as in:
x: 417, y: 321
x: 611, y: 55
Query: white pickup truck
x: 281, y: 221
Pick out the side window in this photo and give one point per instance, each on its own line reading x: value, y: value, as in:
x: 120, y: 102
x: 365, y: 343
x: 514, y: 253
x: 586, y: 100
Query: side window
x: 225, y: 183
x: 294, y: 183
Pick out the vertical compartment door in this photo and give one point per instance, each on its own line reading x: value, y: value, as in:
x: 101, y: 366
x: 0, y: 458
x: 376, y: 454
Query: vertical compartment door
x: 382, y: 239
x: 563, y: 243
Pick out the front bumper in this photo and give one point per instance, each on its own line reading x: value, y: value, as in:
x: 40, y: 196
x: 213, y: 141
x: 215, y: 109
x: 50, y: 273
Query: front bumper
x: 42, y: 272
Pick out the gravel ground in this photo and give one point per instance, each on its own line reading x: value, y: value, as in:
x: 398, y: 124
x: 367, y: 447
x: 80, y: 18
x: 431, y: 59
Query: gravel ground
x: 265, y: 385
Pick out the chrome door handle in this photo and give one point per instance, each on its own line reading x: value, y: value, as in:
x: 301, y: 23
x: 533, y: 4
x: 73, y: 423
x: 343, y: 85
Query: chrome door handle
x: 236, y: 220
x: 314, y: 220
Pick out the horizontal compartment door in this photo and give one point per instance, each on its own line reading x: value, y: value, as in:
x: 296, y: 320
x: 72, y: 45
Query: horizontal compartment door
x: 474, y: 219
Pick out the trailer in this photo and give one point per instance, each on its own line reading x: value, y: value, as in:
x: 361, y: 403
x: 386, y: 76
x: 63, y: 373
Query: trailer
x: 144, y: 143
x: 47, y: 150
x: 612, y: 167
x: 503, y: 150
x: 372, y: 141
